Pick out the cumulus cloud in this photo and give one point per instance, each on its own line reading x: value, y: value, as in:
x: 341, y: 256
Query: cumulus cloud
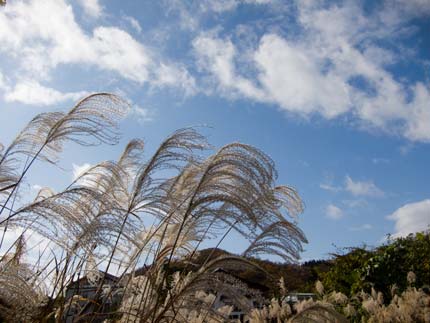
x: 50, y: 36
x: 335, y: 66
x: 217, y: 56
x: 362, y: 188
x: 336, y: 63
x: 293, y: 78
x: 118, y: 51
x: 411, y: 218
x: 46, y: 35
x: 333, y: 212
x: 33, y: 93
x: 91, y: 7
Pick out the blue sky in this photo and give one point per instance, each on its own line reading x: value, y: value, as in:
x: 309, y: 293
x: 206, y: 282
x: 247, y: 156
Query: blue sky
x: 336, y: 92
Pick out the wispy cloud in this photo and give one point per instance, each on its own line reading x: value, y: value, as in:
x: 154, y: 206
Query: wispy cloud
x: 354, y: 187
x: 411, y: 218
x: 406, y: 149
x: 363, y: 227
x: 355, y: 203
x: 331, y: 188
x: 141, y: 115
x: 333, y: 212
x: 134, y: 23
x: 221, y: 6
x: 379, y: 160
x: 362, y: 188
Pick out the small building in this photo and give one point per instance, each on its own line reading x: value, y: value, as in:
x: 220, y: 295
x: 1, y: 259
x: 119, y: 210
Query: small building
x: 87, y: 291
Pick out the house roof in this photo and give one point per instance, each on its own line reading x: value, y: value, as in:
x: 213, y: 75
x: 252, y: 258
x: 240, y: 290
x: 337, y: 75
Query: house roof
x: 83, y: 280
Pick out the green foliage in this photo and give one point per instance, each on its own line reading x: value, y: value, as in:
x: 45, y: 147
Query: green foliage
x: 346, y: 274
x: 391, y: 263
x: 381, y: 268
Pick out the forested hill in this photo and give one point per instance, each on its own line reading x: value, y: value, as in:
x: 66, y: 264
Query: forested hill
x: 297, y: 277
x: 354, y: 269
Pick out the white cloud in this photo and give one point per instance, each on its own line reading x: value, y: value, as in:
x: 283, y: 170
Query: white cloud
x: 118, y: 51
x: 355, y: 203
x: 175, y: 76
x: 134, y: 23
x: 50, y: 36
x: 420, y: 7
x: 334, y: 67
x: 333, y: 212
x: 294, y: 79
x: 33, y: 93
x: 219, y: 5
x: 329, y: 187
x: 217, y: 56
x: 397, y: 11
x: 417, y: 7
x: 41, y: 36
x: 362, y: 188
x: 356, y: 188
x: 418, y: 124
x: 191, y: 14
x: 2, y: 81
x: 361, y: 227
x: 79, y: 169
x: 411, y: 218
x: 227, y: 5
x: 37, y: 242
x: 406, y: 148
x: 141, y: 115
x: 91, y: 7
x: 258, y: 1
x: 379, y: 160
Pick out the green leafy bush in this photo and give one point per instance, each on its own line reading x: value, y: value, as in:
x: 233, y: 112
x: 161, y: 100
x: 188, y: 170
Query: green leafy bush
x: 383, y: 268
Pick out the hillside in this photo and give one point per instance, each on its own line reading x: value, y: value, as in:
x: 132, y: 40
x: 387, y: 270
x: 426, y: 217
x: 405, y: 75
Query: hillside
x: 356, y: 269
